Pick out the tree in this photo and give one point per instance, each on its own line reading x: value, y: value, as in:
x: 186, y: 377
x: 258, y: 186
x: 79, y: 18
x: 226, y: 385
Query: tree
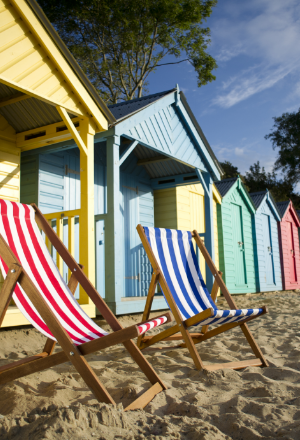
x: 286, y: 137
x: 229, y: 170
x: 257, y: 179
x: 118, y: 43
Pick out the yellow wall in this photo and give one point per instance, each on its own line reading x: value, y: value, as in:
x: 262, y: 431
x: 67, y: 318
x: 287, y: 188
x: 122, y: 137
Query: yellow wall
x: 9, y: 166
x: 183, y: 208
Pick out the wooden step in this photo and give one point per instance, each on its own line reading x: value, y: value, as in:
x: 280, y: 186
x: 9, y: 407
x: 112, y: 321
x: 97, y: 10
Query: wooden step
x: 235, y: 365
x: 145, y: 398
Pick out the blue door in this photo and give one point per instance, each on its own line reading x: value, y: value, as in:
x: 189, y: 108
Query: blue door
x: 100, y: 255
x: 129, y: 210
x: 146, y: 218
x: 269, y: 277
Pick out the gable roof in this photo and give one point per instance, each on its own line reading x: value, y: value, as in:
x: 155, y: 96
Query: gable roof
x: 258, y: 197
x: 127, y: 108
x: 39, y: 73
x: 223, y: 186
x: 282, y: 207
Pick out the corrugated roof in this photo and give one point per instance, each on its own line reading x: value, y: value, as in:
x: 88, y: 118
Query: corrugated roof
x: 160, y: 169
x: 257, y: 198
x: 282, y: 207
x: 28, y: 114
x: 223, y: 186
x: 126, y: 108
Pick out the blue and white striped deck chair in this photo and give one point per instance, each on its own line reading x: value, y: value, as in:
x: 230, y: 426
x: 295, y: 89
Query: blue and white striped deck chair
x: 176, y: 269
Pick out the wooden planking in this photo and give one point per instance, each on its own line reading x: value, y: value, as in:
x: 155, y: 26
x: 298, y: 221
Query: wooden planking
x: 32, y: 63
x: 226, y: 241
x: 265, y: 210
x: 9, y: 166
x: 165, y: 132
x: 26, y: 63
x: 165, y: 212
x: 181, y: 208
x: 216, y: 236
x: 285, y: 228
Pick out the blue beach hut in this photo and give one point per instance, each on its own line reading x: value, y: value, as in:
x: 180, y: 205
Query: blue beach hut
x: 155, y: 143
x: 266, y: 242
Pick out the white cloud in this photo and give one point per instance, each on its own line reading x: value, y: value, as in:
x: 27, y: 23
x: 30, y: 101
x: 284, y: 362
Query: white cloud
x: 249, y: 83
x: 268, y: 36
x: 239, y: 151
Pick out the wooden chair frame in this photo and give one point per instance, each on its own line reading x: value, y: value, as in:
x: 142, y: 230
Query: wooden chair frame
x: 180, y: 330
x: 70, y: 352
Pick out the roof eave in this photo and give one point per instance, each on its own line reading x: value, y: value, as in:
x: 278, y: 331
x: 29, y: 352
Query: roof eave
x: 71, y: 60
x: 201, y: 134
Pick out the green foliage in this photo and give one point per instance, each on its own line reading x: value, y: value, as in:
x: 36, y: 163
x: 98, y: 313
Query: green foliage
x: 257, y: 179
x: 229, y: 170
x: 286, y: 137
x: 119, y: 43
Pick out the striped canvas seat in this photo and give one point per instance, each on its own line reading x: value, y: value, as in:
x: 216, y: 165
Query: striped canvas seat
x: 20, y: 231
x: 175, y: 255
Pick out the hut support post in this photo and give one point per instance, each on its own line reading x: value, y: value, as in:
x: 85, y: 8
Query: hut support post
x: 113, y: 239
x: 209, y: 225
x: 86, y: 219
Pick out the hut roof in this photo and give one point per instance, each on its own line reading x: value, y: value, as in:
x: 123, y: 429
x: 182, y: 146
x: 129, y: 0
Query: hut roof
x: 282, y: 207
x: 126, y: 108
x: 257, y: 198
x: 223, y: 186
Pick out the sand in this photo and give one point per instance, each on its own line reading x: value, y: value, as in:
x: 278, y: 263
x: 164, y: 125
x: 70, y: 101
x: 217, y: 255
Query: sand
x: 252, y: 403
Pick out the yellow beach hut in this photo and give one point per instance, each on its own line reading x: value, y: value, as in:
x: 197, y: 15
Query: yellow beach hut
x: 183, y: 208
x: 45, y: 98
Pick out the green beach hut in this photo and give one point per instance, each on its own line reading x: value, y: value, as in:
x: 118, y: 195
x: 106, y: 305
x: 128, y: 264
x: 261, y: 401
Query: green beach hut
x: 236, y: 234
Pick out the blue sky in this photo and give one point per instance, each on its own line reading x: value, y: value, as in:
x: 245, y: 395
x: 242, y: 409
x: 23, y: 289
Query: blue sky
x: 257, y: 47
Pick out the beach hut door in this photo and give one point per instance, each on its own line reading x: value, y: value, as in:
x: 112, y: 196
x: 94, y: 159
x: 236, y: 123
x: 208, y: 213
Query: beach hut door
x: 268, y: 250
x: 238, y: 245
x: 146, y: 218
x: 291, y: 250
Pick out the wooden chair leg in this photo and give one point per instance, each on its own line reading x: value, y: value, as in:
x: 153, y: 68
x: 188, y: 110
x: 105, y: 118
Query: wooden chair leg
x: 142, y: 362
x: 149, y: 301
x: 214, y: 292
x: 8, y: 288
x: 255, y: 348
x: 72, y: 284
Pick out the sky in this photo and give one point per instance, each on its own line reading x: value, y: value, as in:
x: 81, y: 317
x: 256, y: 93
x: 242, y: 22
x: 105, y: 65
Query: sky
x: 256, y: 44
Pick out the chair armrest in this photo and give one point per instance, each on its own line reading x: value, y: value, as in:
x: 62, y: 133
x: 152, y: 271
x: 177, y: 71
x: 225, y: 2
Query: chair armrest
x: 154, y: 322
x: 167, y: 315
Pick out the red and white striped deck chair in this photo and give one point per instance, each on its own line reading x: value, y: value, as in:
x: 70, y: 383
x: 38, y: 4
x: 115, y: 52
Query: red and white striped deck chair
x: 35, y: 284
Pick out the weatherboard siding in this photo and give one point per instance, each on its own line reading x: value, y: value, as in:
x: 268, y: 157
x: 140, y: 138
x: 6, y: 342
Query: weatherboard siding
x: 50, y: 181
x: 260, y: 260
x: 165, y: 131
x: 183, y: 208
x: 227, y: 246
x: 284, y: 228
x: 9, y: 174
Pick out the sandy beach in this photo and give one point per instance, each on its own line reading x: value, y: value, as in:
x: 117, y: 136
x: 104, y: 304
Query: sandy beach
x: 253, y: 403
